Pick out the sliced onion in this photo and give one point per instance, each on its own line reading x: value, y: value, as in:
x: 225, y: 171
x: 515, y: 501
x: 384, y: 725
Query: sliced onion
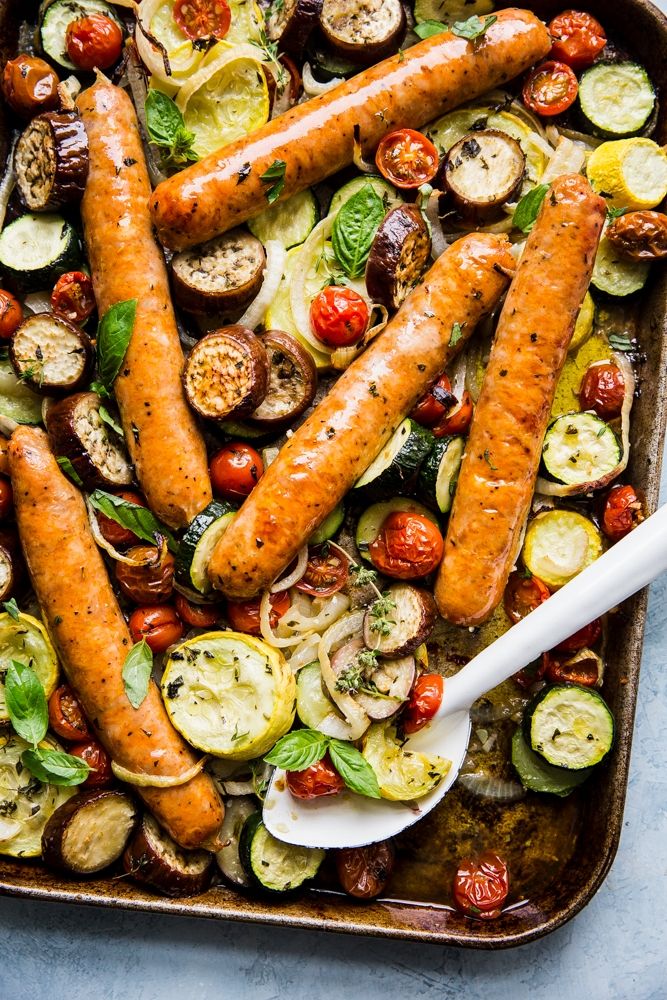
x: 358, y: 156
x: 313, y: 87
x: 298, y: 299
x: 589, y: 141
x: 7, y: 425
x: 342, y: 357
x: 154, y: 54
x: 355, y: 717
x: 296, y: 574
x: 486, y: 787
x: 218, y: 57
x: 432, y: 212
x: 305, y: 653
x: 265, y: 625
x: 320, y: 614
x: 7, y: 185
x: 567, y: 158
x: 38, y: 302
x: 273, y: 272
x: 158, y: 780
x: 144, y: 560
x: 239, y: 787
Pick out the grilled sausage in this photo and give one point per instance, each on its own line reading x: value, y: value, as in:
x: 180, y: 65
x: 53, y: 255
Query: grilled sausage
x: 502, y: 456
x: 316, y: 139
x: 328, y: 453
x: 4, y: 456
x: 162, y: 437
x: 83, y: 619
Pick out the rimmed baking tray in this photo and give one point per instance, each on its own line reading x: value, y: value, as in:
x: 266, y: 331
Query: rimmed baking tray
x: 642, y: 29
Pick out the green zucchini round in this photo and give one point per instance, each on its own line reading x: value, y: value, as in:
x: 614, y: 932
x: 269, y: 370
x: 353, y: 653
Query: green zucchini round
x: 272, y: 865
x: 569, y: 726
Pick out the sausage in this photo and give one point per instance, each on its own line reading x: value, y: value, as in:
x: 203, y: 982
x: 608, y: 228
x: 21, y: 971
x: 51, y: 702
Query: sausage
x: 503, y: 452
x: 316, y: 139
x: 86, y: 625
x: 163, y: 439
x: 336, y: 444
x: 4, y: 459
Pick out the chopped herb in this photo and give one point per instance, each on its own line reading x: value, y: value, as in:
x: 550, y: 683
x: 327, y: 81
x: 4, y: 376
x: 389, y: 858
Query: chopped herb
x: 615, y: 213
x: 362, y: 575
x: 12, y: 609
x: 373, y: 389
x: 487, y: 459
x: 474, y: 27
x: 69, y: 469
x: 527, y: 210
x: 456, y: 334
x: 275, y: 177
x: 619, y: 342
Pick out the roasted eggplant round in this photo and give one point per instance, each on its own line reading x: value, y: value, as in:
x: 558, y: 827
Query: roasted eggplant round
x: 7, y: 575
x: 482, y: 171
x: 292, y: 381
x: 399, y: 255
x: 51, y: 161
x: 77, y: 431
x: 153, y: 858
x: 290, y: 24
x: 221, y: 276
x: 226, y: 373
x: 51, y: 355
x: 380, y: 688
x: 89, y: 832
x: 363, y: 31
x: 406, y: 626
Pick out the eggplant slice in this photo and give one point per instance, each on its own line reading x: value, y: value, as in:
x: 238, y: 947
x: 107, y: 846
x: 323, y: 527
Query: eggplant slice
x: 292, y: 381
x: 222, y: 275
x: 412, y: 619
x: 483, y: 170
x: 88, y: 832
x: 51, y: 355
x: 363, y: 31
x: 51, y: 161
x: 77, y: 432
x: 153, y: 858
x: 7, y: 575
x: 291, y: 23
x: 226, y: 372
x: 399, y: 256
x: 391, y: 679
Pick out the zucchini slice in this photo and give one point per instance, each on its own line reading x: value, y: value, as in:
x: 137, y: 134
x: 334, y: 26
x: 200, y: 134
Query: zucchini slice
x: 198, y: 542
x: 613, y: 274
x: 399, y: 462
x: 440, y: 472
x: 237, y: 811
x: 26, y: 640
x: 312, y: 704
x: 580, y: 448
x: 629, y: 173
x: 51, y: 161
x: 273, y: 865
x: 388, y: 193
x: 616, y: 99
x: 17, y: 401
x: 36, y: 249
x: 569, y: 726
x: 329, y: 526
x: 559, y: 544
x: 222, y: 275
x: 538, y: 776
x: 54, y: 20
x: 402, y: 775
x: 372, y: 519
x: 289, y: 222
x: 229, y: 694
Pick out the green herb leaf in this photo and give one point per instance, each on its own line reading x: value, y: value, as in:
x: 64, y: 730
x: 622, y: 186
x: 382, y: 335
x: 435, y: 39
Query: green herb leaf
x: 474, y: 27
x: 12, y: 609
x: 137, y: 673
x: 615, y: 213
x: 100, y: 389
x: 113, y: 336
x: 130, y: 515
x: 298, y: 750
x: 354, y: 230
x: 362, y: 575
x: 69, y: 469
x: 107, y: 419
x: 619, y: 342
x: 354, y: 769
x: 429, y: 28
x: 26, y: 702
x: 166, y: 128
x: 54, y: 767
x: 528, y: 208
x: 487, y: 459
x: 275, y: 176
x: 456, y: 334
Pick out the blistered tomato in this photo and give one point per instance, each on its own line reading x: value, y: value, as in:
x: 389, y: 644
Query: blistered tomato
x: 407, y: 547
x: 197, y: 615
x: 456, y: 421
x: 425, y: 700
x: 481, y: 887
x: 203, y: 18
x: 11, y: 314
x: 623, y: 510
x: 97, y: 759
x: 158, y: 624
x: 577, y: 38
x: 326, y: 572
x: 339, y: 316
x: 319, y: 779
x: 550, y: 89
x: 363, y: 871
x: 73, y: 297
x: 243, y: 616
x: 435, y: 403
x: 115, y: 534
x: 94, y: 42
x: 66, y: 717
x: 523, y: 594
x: 235, y: 471
x: 602, y: 390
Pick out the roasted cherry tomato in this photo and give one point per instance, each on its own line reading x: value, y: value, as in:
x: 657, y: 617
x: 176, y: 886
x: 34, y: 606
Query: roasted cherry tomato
x: 197, y: 615
x: 94, y: 42
x: 550, y: 89
x: 319, y: 779
x: 583, y: 669
x: 203, y: 18
x: 363, y: 871
x: 583, y: 638
x: 29, y: 86
x: 425, y: 700
x: 327, y: 571
x: 6, y: 498
x: 523, y: 594
x: 158, y: 624
x: 66, y: 716
x: 577, y: 38
x: 114, y: 533
x: 407, y: 158
x: 150, y: 583
x: 235, y: 471
x: 11, y: 314
x: 435, y: 403
x: 602, y: 390
x: 339, y: 316
x: 243, y: 616
x: 97, y: 759
x: 534, y: 672
x: 408, y: 546
x: 481, y: 886
x: 623, y: 511
x: 73, y: 297
x: 640, y: 235
x: 458, y: 420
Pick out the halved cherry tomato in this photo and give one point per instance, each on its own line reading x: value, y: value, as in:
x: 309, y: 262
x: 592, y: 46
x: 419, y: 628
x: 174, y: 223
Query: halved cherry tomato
x: 534, y: 672
x: 458, y: 420
x: 363, y: 871
x: 602, y: 390
x: 326, y: 572
x: 577, y: 38
x: 6, y: 498
x: 158, y: 624
x: 623, y: 511
x: 407, y: 158
x: 339, y: 316
x: 583, y: 638
x: 435, y: 403
x: 243, y: 616
x: 73, y: 297
x: 115, y: 533
x: 197, y: 615
x: 66, y: 716
x: 97, y: 759
x: 235, y: 470
x: 481, y: 886
x: 11, y: 314
x: 408, y: 546
x: 94, y: 42
x: 550, y: 89
x: 425, y: 700
x: 149, y: 582
x: 583, y: 670
x: 523, y: 594
x: 203, y: 18
x: 319, y: 779
x: 29, y: 85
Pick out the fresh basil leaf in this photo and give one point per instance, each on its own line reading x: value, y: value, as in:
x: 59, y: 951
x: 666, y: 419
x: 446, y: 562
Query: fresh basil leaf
x: 130, y: 515
x: 107, y: 419
x: 26, y: 702
x: 354, y: 769
x: 54, y: 767
x: 12, y: 609
x: 528, y: 208
x: 474, y: 27
x: 100, y: 389
x: 69, y: 469
x: 354, y: 230
x: 428, y: 28
x: 163, y: 118
x: 456, y: 334
x: 113, y: 336
x: 137, y: 673
x: 298, y: 750
x: 275, y: 176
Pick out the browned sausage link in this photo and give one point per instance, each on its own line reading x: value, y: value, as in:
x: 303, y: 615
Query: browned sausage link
x: 83, y: 618
x: 316, y: 139
x: 163, y: 439
x: 502, y: 456
x: 4, y: 459
x: 328, y: 453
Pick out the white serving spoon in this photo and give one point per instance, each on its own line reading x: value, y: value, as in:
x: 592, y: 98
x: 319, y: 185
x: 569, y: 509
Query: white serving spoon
x: 349, y: 820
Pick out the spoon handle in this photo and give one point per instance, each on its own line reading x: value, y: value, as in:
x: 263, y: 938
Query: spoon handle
x: 624, y: 569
